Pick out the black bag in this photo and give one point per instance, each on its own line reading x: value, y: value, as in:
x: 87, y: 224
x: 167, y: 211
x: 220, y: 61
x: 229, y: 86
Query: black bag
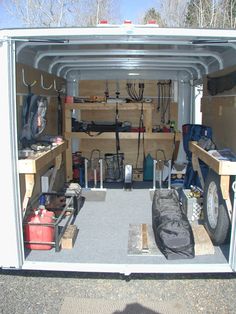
x: 172, y: 230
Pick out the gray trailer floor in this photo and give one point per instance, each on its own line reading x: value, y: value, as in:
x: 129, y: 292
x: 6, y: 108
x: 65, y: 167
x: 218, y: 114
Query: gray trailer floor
x: 104, y: 233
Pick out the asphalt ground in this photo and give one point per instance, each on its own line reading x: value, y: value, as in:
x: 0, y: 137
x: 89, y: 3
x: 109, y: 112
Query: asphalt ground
x: 41, y: 292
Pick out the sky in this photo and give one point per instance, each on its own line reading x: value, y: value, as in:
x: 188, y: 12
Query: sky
x: 129, y: 10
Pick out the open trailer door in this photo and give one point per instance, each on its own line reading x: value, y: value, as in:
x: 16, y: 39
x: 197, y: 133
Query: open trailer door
x: 10, y: 233
x: 232, y: 254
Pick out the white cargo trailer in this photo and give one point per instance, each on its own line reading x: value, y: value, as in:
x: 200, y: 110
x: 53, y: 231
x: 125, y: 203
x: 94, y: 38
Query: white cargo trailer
x: 88, y: 63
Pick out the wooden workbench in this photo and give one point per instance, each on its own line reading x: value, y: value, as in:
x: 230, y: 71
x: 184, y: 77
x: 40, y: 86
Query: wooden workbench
x: 223, y: 168
x: 31, y: 165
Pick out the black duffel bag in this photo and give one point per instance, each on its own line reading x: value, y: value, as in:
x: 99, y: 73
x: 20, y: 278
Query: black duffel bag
x: 172, y: 230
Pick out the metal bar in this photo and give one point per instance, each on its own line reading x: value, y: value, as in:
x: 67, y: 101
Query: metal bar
x: 160, y: 178
x: 101, y: 173
x: 232, y: 251
x: 57, y: 243
x: 95, y: 177
x: 86, y: 172
x: 169, y: 174
x: 154, y: 174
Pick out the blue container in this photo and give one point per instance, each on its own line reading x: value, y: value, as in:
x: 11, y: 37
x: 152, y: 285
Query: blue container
x: 148, y: 168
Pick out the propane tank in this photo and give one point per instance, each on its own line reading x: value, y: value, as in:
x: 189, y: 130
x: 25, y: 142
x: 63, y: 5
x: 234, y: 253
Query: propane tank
x: 35, y: 231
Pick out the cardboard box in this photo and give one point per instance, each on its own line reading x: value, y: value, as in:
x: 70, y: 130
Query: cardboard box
x: 138, y: 175
x: 192, y: 206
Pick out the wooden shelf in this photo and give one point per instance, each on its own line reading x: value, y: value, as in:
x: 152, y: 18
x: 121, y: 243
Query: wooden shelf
x: 123, y: 136
x: 107, y: 106
x: 222, y: 167
x: 34, y: 163
x: 153, y: 141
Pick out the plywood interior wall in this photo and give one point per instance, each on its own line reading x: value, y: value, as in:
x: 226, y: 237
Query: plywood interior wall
x: 98, y: 87
x: 128, y: 147
x: 219, y: 112
x: 31, y: 75
x: 132, y: 116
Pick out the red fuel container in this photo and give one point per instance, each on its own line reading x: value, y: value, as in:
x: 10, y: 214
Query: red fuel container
x: 36, y: 232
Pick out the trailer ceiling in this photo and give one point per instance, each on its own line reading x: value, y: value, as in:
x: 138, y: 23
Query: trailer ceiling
x: 126, y: 48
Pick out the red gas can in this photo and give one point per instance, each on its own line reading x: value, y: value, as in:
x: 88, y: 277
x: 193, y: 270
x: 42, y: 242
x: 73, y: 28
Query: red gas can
x: 36, y: 232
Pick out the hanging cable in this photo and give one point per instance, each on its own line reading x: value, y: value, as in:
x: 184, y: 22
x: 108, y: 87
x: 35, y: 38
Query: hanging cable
x: 140, y: 129
x: 133, y: 94
x: 117, y: 131
x: 164, y: 100
x: 106, y: 92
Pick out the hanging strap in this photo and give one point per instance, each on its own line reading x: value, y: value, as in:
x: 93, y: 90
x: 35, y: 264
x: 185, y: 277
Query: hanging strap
x: 141, y: 127
x: 59, y: 110
x: 117, y: 128
x: 117, y: 140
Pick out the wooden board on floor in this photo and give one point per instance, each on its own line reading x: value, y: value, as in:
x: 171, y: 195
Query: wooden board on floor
x: 203, y: 244
x: 69, y: 237
x: 145, y: 247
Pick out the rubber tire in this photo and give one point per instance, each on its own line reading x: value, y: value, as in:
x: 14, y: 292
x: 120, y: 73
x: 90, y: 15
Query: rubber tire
x: 219, y: 233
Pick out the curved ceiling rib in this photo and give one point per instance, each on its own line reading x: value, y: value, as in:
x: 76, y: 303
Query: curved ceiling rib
x: 62, y: 61
x: 128, y: 66
x: 145, y: 68
x: 129, y: 41
x: 127, y: 53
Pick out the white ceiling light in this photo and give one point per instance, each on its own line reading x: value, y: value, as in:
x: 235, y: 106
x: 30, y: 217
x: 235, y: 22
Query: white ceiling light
x: 133, y: 73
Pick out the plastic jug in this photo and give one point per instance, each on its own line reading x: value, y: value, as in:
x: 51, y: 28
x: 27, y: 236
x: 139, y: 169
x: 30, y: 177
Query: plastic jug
x: 148, y: 168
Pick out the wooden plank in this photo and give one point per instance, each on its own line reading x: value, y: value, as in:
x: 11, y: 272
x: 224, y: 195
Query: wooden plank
x: 69, y: 237
x: 107, y: 106
x: 225, y: 186
x: 122, y: 135
x: 219, y: 113
x: 221, y: 167
x: 97, y: 87
x: 33, y: 165
x: 145, y: 247
x: 68, y: 156
x: 203, y: 244
x: 196, y: 167
x: 29, y: 187
x: 148, y: 120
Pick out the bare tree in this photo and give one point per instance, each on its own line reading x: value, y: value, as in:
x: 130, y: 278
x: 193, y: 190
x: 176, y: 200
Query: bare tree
x: 173, y: 12
x: 54, y: 13
x: 44, y: 13
x: 229, y: 7
x: 96, y: 10
x: 211, y: 13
